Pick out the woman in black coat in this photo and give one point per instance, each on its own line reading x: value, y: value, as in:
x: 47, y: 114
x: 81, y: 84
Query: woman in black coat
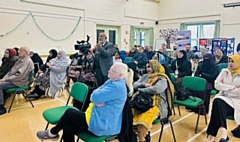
x: 208, y: 70
x: 8, y: 61
x: 181, y: 67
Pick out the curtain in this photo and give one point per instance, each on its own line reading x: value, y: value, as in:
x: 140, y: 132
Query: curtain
x: 151, y: 36
x: 182, y: 26
x: 132, y: 30
x: 217, y: 29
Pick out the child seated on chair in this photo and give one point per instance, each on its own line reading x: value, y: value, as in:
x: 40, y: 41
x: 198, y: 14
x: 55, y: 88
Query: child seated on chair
x: 104, y: 114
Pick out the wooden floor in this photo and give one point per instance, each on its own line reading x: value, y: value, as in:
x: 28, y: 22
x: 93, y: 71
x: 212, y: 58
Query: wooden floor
x: 22, y: 123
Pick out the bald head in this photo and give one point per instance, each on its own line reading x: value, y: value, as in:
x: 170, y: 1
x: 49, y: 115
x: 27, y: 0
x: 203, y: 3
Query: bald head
x: 23, y: 52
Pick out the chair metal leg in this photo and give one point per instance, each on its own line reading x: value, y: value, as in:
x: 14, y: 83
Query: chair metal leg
x: 160, y: 136
x: 205, y: 114
x: 24, y: 95
x: 179, y: 110
x: 47, y: 126
x: 173, y: 109
x: 197, y: 121
x: 174, y: 138
x: 12, y: 102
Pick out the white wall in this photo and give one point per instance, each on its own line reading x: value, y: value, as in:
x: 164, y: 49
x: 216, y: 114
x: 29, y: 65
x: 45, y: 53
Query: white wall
x: 174, y: 12
x: 58, y: 18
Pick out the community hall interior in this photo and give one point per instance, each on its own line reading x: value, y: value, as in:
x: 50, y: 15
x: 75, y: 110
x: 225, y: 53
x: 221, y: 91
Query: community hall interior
x: 203, y: 32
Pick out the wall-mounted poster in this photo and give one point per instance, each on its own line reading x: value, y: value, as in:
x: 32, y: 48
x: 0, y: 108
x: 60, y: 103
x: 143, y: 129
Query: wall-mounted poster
x: 170, y: 37
x: 183, y: 39
x: 225, y: 44
x: 206, y: 43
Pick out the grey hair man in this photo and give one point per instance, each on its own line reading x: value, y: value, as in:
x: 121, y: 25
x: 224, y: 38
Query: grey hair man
x: 18, y: 76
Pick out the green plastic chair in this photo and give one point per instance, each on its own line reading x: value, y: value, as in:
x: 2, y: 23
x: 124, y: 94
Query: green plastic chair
x: 78, y: 92
x: 127, y: 60
x: 87, y: 136
x: 213, y: 92
x: 222, y: 66
x: 231, y: 117
x: 195, y: 84
x: 20, y: 90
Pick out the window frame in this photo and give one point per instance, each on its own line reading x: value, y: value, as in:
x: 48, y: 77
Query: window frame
x: 200, y: 31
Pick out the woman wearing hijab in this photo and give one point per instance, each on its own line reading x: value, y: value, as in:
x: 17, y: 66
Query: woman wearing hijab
x: 58, y: 67
x: 7, y: 61
x: 208, y: 70
x: 155, y: 82
x: 220, y: 57
x: 181, y: 67
x: 227, y: 101
x: 43, y: 81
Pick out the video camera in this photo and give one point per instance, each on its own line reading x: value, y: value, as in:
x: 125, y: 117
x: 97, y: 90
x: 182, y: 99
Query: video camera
x: 83, y: 45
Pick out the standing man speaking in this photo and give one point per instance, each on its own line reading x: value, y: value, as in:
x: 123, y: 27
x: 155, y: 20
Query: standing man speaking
x: 104, y: 51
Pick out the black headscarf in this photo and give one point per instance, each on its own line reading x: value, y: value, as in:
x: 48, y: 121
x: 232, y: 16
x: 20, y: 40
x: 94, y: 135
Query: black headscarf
x: 180, y: 61
x: 54, y: 55
x: 208, y: 62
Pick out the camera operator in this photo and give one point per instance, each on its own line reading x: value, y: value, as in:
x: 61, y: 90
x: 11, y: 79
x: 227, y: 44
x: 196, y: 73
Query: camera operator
x: 104, y: 51
x: 80, y: 66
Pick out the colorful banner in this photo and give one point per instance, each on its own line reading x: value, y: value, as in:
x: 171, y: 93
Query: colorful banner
x: 225, y: 44
x: 183, y: 39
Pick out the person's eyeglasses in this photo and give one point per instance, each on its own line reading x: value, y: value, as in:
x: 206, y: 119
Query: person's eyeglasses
x: 148, y: 67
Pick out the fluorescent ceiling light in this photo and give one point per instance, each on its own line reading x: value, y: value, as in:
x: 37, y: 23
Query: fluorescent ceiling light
x: 231, y: 4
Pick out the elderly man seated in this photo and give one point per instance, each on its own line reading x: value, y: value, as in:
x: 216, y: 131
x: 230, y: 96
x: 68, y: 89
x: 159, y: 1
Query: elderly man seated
x: 17, y: 76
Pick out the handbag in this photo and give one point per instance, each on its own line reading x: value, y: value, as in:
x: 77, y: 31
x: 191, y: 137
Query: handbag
x: 183, y: 94
x: 142, y: 102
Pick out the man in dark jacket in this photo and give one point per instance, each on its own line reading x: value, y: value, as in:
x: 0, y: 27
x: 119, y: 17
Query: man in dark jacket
x: 38, y: 62
x: 133, y: 51
x: 104, y: 51
x: 150, y: 53
x: 140, y: 59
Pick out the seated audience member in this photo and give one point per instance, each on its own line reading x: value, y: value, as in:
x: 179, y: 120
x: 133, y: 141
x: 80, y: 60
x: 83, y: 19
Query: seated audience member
x: 190, y: 53
x: 149, y: 53
x: 220, y: 57
x: 181, y: 67
x: 42, y: 82
x: 17, y: 50
x: 52, y: 54
x: 133, y: 51
x: 160, y: 58
x: 81, y: 68
x: 36, y: 59
x: 104, y: 114
x: 116, y: 47
x: 154, y: 83
x: 195, y: 49
x: 58, y: 67
x: 8, y: 61
x: 174, y: 53
x: 139, y: 59
x: 18, y: 75
x: 166, y: 58
x: 226, y: 102
x: 201, y: 53
x: 208, y: 70
x: 117, y: 57
x: 194, y: 62
x: 238, y: 48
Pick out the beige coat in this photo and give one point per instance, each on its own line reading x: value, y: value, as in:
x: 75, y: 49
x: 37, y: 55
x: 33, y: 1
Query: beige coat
x: 227, y: 92
x: 19, y: 73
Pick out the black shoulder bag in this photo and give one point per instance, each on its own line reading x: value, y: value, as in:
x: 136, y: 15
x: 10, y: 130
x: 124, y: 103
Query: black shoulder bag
x: 142, y: 102
x: 183, y: 94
